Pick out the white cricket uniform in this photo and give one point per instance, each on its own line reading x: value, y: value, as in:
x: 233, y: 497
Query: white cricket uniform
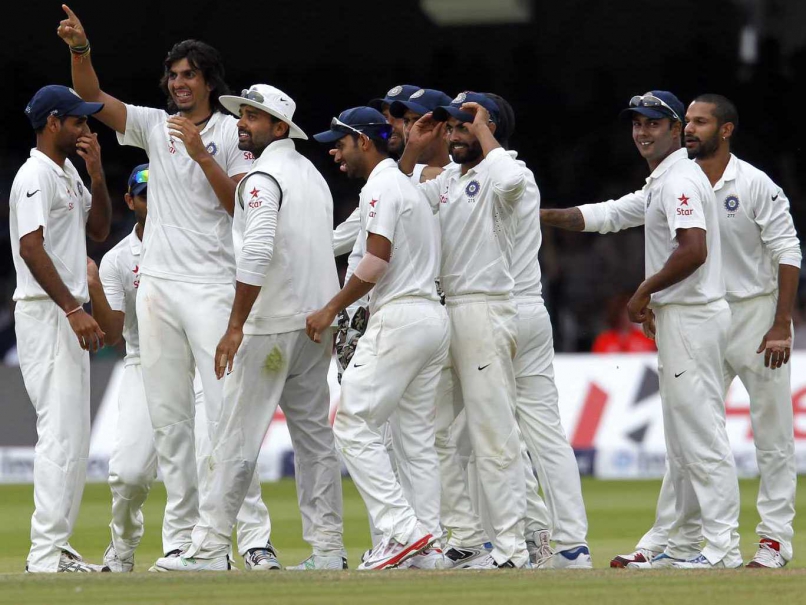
x: 184, y: 299
x: 757, y: 236
x: 478, y: 221
x: 692, y: 321
x: 55, y: 369
x: 283, y: 243
x: 133, y: 463
x: 397, y: 362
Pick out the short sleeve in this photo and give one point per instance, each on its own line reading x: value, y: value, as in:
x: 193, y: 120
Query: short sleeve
x: 139, y: 122
x: 112, y: 283
x: 238, y: 161
x: 381, y: 209
x: 32, y: 203
x: 683, y: 201
x: 346, y: 233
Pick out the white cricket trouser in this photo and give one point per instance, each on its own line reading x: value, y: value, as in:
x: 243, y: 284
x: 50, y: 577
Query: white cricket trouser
x: 288, y: 370
x: 773, y: 433
x: 180, y: 326
x: 483, y: 345
x: 538, y: 415
x: 395, y: 370
x: 56, y: 372
x: 692, y: 342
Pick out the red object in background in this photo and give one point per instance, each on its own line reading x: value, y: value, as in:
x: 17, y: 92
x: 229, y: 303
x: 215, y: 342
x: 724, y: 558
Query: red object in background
x: 632, y: 341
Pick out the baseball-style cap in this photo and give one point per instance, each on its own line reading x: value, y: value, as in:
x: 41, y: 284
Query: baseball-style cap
x: 397, y: 93
x: 55, y: 100
x: 442, y: 113
x: 269, y: 99
x: 420, y: 102
x: 138, y: 180
x: 358, y: 120
x: 656, y: 104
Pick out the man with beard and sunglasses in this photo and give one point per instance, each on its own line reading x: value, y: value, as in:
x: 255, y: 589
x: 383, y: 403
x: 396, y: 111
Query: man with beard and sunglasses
x: 285, y: 270
x: 187, y: 269
x: 682, y: 299
x: 761, y: 261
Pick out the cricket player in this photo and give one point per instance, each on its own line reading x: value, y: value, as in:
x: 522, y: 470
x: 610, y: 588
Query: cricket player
x: 50, y: 214
x: 476, y: 200
x: 761, y: 260
x: 187, y: 266
x: 684, y: 295
x: 397, y: 362
x: 286, y: 270
x: 397, y: 140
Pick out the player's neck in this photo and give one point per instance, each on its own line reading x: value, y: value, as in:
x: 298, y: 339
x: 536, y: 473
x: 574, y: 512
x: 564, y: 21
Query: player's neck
x: 440, y: 159
x: 49, y: 149
x: 138, y: 229
x: 372, y: 161
x: 714, y: 166
x: 200, y: 115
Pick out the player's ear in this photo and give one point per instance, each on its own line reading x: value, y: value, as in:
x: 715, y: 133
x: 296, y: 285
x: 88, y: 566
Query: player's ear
x: 493, y: 127
x: 726, y: 130
x: 129, y: 201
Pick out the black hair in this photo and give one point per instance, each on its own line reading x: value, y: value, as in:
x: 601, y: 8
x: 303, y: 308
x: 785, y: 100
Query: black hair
x: 204, y: 58
x: 724, y: 109
x: 382, y: 145
x: 505, y: 124
x: 41, y: 129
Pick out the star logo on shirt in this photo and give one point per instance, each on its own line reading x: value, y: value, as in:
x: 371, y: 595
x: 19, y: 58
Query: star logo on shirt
x: 683, y: 200
x: 254, y: 192
x: 373, y: 202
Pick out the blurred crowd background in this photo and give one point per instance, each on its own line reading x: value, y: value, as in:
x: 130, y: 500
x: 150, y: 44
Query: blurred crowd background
x: 567, y: 68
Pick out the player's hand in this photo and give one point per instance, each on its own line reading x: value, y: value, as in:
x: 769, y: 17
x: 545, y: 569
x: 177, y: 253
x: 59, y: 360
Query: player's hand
x: 648, y: 327
x: 776, y: 346
x: 225, y: 351
x: 481, y: 117
x: 638, y: 306
x: 89, y: 333
x: 424, y: 131
x: 70, y: 30
x: 187, y: 132
x: 93, y: 277
x: 89, y: 149
x: 316, y: 323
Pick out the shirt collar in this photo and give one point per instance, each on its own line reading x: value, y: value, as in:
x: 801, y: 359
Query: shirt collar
x: 668, y: 162
x: 276, y: 146
x: 134, y: 242
x: 382, y: 165
x: 729, y: 174
x: 38, y: 155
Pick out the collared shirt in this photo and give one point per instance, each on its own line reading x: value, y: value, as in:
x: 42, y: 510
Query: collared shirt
x: 120, y: 277
x: 45, y: 195
x: 477, y: 221
x: 677, y: 195
x: 188, y: 235
x: 757, y: 231
x: 392, y: 207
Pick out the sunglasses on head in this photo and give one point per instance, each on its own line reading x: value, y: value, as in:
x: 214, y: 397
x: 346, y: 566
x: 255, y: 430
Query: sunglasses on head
x: 252, y: 95
x: 650, y: 100
x: 382, y: 129
x: 141, y: 176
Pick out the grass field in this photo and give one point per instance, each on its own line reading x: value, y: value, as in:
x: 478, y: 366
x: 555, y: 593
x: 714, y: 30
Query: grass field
x: 619, y: 512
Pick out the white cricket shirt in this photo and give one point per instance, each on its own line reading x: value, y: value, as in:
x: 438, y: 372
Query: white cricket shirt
x: 525, y: 267
x: 188, y: 235
x: 120, y: 277
x: 45, y: 195
x: 477, y: 222
x: 392, y: 207
x: 677, y: 195
x: 757, y: 231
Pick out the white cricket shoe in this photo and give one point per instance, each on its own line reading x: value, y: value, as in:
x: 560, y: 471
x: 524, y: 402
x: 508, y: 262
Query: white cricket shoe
x: 391, y: 553
x: 639, y: 555
x: 261, y: 559
x: 661, y: 561
x: 70, y: 563
x: 488, y: 562
x: 539, y: 546
x: 430, y: 558
x: 320, y: 562
x: 573, y: 558
x: 115, y: 563
x: 768, y: 555
x: 700, y: 562
x: 181, y: 563
x: 461, y: 557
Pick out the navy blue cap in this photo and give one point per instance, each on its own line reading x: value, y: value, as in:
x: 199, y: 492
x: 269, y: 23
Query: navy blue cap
x: 674, y: 108
x: 421, y: 102
x: 365, y: 120
x: 138, y: 180
x: 55, y: 100
x: 442, y: 113
x: 398, y: 93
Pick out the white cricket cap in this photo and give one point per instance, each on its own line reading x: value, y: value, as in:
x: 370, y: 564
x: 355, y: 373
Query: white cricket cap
x: 269, y: 99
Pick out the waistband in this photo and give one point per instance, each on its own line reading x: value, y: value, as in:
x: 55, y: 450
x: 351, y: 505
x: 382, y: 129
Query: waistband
x: 463, y: 299
x: 409, y: 300
x: 750, y: 299
x: 528, y: 300
x: 711, y: 304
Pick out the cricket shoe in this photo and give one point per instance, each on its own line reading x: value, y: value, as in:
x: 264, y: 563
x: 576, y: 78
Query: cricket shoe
x: 768, y: 555
x: 661, y: 561
x: 487, y: 562
x: 391, y: 553
x: 430, y: 558
x: 70, y: 563
x: 639, y: 555
x: 573, y: 558
x: 461, y: 557
x: 115, y: 563
x: 700, y: 562
x: 171, y: 553
x: 321, y: 562
x: 539, y: 546
x: 181, y: 563
x: 261, y: 559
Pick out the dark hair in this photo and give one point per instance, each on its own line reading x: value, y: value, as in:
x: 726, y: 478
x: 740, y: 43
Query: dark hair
x: 505, y: 124
x: 41, y: 129
x: 204, y: 58
x: 382, y: 145
x: 724, y: 109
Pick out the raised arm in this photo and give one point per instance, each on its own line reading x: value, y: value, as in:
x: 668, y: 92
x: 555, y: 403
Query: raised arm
x: 604, y: 217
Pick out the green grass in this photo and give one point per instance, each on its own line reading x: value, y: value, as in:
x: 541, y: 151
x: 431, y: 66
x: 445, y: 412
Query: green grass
x: 619, y: 512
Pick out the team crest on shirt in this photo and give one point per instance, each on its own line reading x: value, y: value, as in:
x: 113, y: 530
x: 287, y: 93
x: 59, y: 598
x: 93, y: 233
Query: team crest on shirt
x: 472, y: 190
x: 393, y: 92
x: 731, y: 205
x: 212, y: 149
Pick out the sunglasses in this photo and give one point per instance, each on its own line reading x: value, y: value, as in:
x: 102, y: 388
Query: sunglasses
x: 140, y: 176
x: 650, y: 100
x: 253, y: 95
x: 383, y: 129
